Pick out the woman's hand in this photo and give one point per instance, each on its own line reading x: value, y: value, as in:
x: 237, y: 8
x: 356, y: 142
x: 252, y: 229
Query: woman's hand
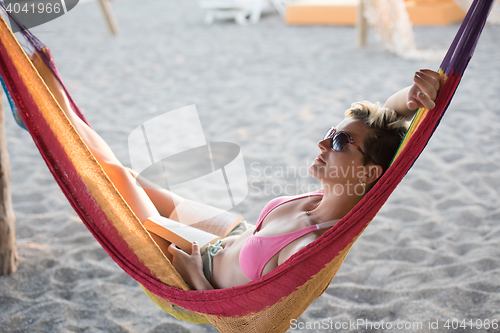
x: 190, y: 266
x: 422, y: 93
x: 424, y: 90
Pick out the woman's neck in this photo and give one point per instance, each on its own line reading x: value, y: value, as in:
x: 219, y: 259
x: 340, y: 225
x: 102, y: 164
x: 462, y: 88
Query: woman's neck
x: 333, y: 206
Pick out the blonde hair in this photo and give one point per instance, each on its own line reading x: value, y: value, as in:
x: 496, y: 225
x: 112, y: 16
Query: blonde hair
x: 387, y: 130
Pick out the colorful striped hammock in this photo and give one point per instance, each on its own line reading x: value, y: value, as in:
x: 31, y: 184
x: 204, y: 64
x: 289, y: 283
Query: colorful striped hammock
x: 264, y: 305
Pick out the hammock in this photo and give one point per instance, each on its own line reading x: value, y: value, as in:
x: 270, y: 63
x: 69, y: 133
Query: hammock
x: 264, y: 305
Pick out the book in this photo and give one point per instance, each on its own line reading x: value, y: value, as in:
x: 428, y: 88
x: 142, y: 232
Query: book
x: 180, y: 234
x: 191, y: 228
x: 204, y: 217
x: 201, y: 216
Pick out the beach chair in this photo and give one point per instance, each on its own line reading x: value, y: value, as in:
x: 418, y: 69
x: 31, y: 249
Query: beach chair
x: 242, y: 11
x: 264, y: 305
x: 493, y: 18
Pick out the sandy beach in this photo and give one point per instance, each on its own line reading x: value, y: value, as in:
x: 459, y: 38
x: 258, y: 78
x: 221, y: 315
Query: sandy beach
x: 431, y: 255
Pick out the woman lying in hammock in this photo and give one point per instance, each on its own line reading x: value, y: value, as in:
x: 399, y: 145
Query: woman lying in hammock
x: 365, y: 141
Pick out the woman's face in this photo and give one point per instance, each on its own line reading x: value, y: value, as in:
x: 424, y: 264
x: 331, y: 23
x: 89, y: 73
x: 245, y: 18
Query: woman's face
x: 342, y: 169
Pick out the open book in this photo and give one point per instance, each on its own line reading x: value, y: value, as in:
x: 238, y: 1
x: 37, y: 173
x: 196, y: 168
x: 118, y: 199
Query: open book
x: 191, y: 226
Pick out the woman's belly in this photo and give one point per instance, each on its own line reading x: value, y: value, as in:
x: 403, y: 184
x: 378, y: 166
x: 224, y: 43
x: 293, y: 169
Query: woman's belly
x: 227, y: 272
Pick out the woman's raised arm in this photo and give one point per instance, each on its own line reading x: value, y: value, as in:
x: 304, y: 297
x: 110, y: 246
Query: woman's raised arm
x: 422, y: 93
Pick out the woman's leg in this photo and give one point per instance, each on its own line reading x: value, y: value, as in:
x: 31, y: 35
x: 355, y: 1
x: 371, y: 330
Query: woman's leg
x: 135, y: 196
x: 164, y: 200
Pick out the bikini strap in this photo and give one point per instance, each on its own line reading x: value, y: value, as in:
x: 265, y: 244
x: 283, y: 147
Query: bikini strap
x: 326, y: 224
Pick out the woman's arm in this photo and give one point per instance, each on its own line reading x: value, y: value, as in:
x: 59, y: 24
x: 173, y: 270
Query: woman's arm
x: 422, y: 93
x: 190, y: 267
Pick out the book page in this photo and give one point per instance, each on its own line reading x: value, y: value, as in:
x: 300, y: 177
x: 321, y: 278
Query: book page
x: 180, y: 234
x: 207, y: 218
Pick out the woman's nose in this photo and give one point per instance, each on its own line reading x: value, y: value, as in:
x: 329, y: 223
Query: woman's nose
x: 324, y: 144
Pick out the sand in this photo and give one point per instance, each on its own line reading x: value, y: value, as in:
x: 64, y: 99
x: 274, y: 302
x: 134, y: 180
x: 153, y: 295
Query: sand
x: 431, y: 254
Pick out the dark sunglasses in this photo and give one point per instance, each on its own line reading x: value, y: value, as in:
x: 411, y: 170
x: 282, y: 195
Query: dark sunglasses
x: 340, y: 139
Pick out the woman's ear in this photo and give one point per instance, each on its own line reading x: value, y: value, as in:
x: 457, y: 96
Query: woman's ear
x: 373, y: 172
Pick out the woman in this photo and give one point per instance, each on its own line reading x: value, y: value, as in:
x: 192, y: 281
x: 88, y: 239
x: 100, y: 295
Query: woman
x: 352, y: 157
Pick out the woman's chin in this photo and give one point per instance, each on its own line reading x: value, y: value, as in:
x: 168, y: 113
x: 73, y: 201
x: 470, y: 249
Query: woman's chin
x: 314, y: 171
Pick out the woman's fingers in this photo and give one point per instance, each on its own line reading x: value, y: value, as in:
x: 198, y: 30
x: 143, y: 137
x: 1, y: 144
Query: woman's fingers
x: 435, y: 75
x: 195, y: 249
x: 426, y: 101
x: 425, y: 89
x: 412, y: 103
x: 172, y: 249
x: 427, y: 84
x: 432, y: 78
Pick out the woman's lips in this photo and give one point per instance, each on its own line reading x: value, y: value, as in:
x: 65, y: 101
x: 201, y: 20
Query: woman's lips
x: 320, y: 159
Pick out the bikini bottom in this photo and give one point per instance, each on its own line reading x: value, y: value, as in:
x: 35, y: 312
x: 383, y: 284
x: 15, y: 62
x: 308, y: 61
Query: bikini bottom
x: 212, y: 250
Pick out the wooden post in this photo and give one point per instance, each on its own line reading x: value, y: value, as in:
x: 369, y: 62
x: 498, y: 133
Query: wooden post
x: 361, y: 26
x: 110, y: 18
x: 8, y: 250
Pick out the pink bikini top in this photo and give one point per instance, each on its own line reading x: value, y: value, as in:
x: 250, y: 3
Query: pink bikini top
x: 258, y: 250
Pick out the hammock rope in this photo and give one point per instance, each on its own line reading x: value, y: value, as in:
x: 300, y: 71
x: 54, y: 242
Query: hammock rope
x: 266, y: 304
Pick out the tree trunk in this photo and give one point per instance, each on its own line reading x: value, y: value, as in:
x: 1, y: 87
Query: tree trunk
x: 8, y: 251
x: 109, y: 17
x: 361, y: 25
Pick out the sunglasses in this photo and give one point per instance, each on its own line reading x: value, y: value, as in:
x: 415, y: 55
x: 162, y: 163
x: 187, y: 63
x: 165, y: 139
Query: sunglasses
x: 340, y: 139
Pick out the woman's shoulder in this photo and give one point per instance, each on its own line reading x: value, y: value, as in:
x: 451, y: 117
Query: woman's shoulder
x: 279, y: 200
x: 283, y: 199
